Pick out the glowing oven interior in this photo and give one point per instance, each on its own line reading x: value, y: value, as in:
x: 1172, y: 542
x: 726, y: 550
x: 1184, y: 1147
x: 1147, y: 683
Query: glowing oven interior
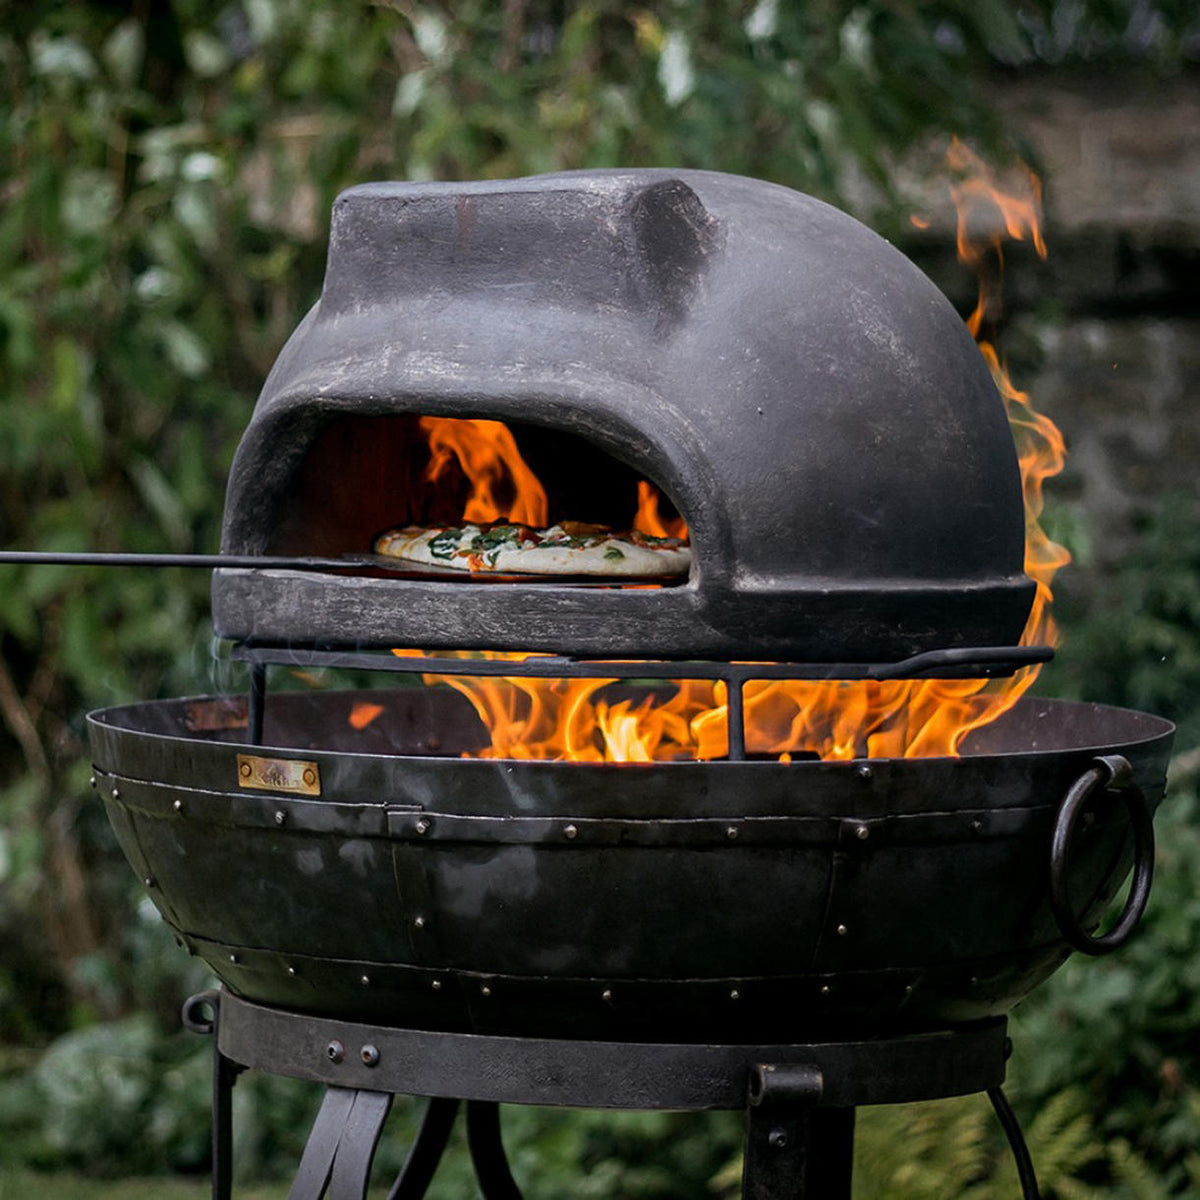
x: 366, y: 474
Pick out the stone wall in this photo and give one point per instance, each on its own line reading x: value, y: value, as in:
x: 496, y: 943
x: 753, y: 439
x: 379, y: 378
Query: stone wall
x: 1106, y: 333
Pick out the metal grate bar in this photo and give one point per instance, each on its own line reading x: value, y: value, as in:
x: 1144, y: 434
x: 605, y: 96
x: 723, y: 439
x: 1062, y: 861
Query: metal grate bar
x: 953, y: 664
x: 956, y: 663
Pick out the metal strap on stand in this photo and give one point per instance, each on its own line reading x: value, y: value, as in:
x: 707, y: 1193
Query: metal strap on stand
x: 799, y: 1100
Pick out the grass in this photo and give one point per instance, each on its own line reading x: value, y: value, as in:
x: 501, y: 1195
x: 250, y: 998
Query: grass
x: 19, y: 1183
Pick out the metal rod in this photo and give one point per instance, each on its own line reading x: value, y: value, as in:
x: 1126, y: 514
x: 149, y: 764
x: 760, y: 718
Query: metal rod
x: 426, y: 1151
x: 1007, y: 657
x: 830, y: 1169
x: 225, y: 1075
x: 487, y: 1152
x: 257, y: 702
x: 794, y: 1148
x: 1016, y: 1143
x: 959, y: 663
x: 735, y: 719
x: 320, y: 1151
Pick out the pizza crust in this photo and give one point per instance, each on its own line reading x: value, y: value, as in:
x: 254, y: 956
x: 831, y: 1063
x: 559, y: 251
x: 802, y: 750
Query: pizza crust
x: 565, y: 549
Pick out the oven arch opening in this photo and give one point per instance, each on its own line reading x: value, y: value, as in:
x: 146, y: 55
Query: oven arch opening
x: 363, y: 475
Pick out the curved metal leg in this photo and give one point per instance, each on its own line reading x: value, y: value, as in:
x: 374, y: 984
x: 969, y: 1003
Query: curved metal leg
x: 1016, y: 1142
x: 316, y: 1163
x: 426, y: 1151
x: 341, y: 1145
x: 356, y: 1152
x: 487, y: 1152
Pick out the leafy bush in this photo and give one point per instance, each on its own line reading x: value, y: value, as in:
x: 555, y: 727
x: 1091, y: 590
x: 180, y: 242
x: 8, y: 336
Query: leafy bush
x: 1133, y: 638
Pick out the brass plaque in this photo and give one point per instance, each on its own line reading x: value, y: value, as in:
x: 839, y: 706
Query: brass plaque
x: 279, y: 775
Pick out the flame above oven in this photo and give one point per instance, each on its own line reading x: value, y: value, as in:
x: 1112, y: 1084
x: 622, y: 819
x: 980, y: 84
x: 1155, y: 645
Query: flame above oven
x: 590, y: 720
x: 979, y: 198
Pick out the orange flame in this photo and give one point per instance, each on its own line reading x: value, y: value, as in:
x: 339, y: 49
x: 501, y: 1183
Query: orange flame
x: 573, y: 719
x: 362, y: 713
x: 989, y: 209
x: 649, y: 520
x: 589, y: 721
x: 503, y: 486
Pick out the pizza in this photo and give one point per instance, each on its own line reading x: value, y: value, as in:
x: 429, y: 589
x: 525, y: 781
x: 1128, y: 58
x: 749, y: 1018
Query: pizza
x: 568, y: 548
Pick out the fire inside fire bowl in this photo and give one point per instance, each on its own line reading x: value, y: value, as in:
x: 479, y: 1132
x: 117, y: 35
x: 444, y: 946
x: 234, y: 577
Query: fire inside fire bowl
x: 356, y: 873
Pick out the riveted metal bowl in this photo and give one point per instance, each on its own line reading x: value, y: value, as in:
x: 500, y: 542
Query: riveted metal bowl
x: 359, y: 874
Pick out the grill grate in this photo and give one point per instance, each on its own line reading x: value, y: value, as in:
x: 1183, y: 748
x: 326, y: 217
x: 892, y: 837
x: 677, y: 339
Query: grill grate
x: 963, y: 663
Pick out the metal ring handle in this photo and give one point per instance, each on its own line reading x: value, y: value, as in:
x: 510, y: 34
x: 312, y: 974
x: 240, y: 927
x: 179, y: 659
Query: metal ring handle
x: 1107, y: 772
x: 193, y: 1013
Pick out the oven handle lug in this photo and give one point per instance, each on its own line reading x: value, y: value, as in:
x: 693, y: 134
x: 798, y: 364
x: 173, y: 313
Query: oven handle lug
x: 1109, y: 772
x: 201, y: 1012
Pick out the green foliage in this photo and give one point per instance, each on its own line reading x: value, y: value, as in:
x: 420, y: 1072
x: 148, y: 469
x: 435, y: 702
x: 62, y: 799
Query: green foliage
x: 19, y: 1183
x: 1136, y: 640
x: 906, y: 1151
x: 121, y: 1097
x: 956, y: 1148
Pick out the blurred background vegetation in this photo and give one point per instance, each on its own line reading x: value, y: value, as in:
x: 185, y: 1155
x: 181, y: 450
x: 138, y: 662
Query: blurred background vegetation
x: 166, y: 173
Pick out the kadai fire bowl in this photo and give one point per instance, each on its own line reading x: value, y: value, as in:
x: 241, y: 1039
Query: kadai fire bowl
x: 680, y: 900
